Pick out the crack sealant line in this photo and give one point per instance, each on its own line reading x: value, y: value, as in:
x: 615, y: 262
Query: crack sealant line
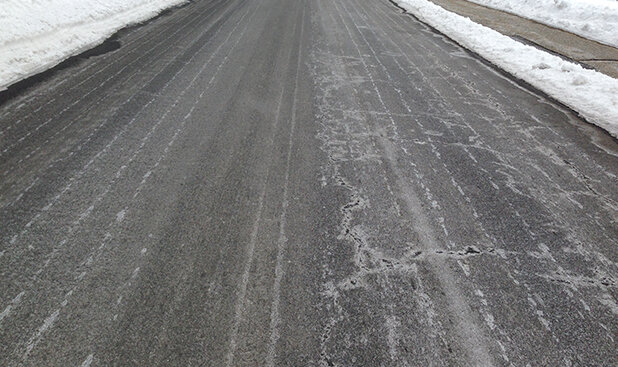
x: 491, y: 238
x: 400, y: 95
x: 356, y: 201
x: 433, y: 146
x: 501, y: 159
x: 472, y: 337
x: 490, y: 324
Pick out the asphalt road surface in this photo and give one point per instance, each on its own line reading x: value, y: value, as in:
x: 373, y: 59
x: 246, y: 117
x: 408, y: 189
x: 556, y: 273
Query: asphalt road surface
x: 301, y: 183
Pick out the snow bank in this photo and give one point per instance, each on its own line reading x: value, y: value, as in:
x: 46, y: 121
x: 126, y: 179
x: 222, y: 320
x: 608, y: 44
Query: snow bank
x: 594, y: 95
x: 593, y: 19
x: 38, y: 34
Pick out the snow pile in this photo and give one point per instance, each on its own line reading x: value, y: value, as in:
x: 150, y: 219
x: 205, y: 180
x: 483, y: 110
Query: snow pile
x: 593, y: 19
x: 38, y: 34
x: 594, y: 95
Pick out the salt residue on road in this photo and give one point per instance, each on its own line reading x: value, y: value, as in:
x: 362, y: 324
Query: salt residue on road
x: 38, y: 34
x: 594, y: 95
x: 593, y: 19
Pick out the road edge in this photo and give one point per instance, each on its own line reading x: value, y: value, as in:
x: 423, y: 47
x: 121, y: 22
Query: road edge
x: 109, y: 44
x: 510, y: 76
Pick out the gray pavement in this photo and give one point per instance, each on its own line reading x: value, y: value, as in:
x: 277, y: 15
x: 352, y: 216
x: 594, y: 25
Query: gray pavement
x: 301, y: 183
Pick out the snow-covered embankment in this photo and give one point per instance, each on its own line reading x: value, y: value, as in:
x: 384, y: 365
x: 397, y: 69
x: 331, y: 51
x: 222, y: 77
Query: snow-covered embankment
x: 593, y: 19
x: 594, y: 95
x: 36, y: 35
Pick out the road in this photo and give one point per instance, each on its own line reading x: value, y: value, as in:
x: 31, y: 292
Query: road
x: 301, y: 183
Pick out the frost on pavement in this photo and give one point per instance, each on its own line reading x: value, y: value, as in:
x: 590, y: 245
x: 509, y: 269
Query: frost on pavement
x: 594, y: 95
x: 593, y: 19
x: 38, y: 34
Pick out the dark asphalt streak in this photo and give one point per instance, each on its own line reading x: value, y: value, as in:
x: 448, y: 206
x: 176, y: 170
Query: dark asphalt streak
x: 301, y: 183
